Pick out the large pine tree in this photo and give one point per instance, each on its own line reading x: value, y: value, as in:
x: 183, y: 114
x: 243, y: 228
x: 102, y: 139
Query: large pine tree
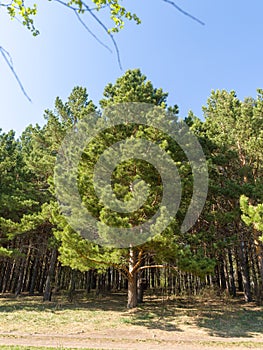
x: 123, y: 251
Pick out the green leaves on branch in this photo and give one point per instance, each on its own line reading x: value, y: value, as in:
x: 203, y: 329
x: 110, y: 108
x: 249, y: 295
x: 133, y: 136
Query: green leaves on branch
x: 118, y: 13
x: 5, y: 252
x: 252, y: 215
x: 18, y: 9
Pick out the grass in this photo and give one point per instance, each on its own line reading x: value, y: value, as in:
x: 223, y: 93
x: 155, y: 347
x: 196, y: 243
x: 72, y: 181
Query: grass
x: 34, y: 316
x: 226, y: 318
x: 200, y: 319
x: 14, y: 347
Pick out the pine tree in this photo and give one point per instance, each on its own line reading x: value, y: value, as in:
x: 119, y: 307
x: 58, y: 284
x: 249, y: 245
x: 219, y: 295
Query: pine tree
x: 104, y: 248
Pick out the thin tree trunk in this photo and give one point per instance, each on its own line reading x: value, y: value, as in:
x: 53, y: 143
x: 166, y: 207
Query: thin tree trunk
x: 132, y: 281
x: 222, y: 276
x: 48, y: 286
x: 245, y: 272
x: 6, y: 276
x: 231, y: 275
x: 88, y: 281
x: 34, y: 276
x: 72, y: 286
x: 140, y: 288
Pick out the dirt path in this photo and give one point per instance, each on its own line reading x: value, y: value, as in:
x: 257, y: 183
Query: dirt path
x: 135, y: 340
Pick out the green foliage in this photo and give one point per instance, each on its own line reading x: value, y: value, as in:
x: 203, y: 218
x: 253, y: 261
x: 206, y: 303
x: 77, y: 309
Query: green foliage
x: 22, y: 189
x: 170, y: 247
x: 117, y: 13
x: 4, y: 252
x: 252, y: 214
x: 231, y: 137
x: 17, y: 195
x: 133, y: 87
x: 18, y: 9
x: 34, y: 157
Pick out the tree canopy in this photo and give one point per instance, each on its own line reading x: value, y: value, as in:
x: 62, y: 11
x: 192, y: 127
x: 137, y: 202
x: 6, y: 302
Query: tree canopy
x: 38, y: 242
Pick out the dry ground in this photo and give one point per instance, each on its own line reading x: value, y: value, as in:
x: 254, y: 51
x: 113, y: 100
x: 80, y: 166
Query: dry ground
x: 206, y: 322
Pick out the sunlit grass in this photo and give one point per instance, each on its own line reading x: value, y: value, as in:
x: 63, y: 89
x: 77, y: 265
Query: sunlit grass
x: 14, y: 347
x: 206, y: 316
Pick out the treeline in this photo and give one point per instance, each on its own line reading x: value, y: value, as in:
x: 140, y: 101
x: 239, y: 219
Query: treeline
x: 41, y: 253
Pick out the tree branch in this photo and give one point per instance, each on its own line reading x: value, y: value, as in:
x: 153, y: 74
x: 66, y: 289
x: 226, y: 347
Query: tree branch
x: 8, y: 59
x: 90, y: 11
x: 138, y: 262
x: 91, y: 33
x: 76, y: 11
x: 106, y: 30
x: 184, y: 12
x: 157, y: 267
x: 100, y: 262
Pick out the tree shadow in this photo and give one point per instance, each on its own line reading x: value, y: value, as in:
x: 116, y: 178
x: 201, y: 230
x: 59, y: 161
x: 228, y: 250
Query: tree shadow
x: 165, y: 323
x: 116, y: 302
x: 228, y: 324
x: 155, y: 313
x: 217, y: 316
x: 225, y: 318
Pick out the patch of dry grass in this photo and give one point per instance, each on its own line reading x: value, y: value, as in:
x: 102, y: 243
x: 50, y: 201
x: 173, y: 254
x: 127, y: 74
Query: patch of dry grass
x: 200, y: 316
x: 19, y: 347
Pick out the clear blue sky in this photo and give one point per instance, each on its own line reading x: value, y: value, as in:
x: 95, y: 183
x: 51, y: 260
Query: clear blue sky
x: 184, y: 58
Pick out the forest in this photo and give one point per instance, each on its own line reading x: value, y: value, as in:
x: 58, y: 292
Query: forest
x: 40, y: 252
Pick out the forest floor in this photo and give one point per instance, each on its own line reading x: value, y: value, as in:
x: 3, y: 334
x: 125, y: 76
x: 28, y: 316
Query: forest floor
x: 185, y: 323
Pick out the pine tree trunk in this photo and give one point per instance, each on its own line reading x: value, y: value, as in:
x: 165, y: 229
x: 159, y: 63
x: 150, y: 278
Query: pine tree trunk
x: 72, y: 285
x: 140, y: 288
x: 34, y: 276
x: 88, y: 281
x: 132, y: 281
x: 109, y: 279
x: 132, y: 291
x: 222, y: 276
x: 6, y: 276
x: 49, y: 280
x: 26, y: 276
x: 245, y: 272
x: 20, y: 278
x: 231, y: 274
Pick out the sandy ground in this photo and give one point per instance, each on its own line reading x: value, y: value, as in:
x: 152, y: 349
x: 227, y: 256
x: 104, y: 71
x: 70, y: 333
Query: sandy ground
x: 134, y: 340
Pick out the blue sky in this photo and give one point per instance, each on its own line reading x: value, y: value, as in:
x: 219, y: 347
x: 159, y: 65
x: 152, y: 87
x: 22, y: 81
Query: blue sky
x: 184, y: 58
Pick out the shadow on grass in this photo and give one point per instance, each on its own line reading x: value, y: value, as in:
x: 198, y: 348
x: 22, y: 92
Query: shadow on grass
x: 10, y: 303
x: 221, y: 318
x: 236, y: 323
x: 153, y: 315
x: 218, y: 317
